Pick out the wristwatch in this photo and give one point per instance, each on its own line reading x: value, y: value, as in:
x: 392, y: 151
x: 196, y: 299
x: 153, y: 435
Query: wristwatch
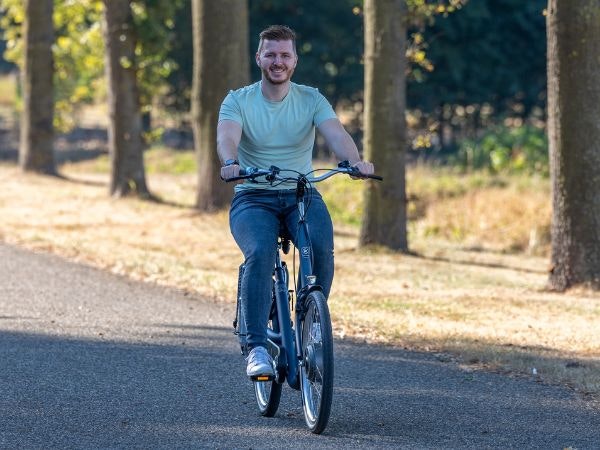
x: 231, y: 162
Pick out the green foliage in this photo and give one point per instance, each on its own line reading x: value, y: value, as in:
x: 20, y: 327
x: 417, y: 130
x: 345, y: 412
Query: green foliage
x: 485, y: 56
x: 155, y: 27
x: 178, y: 93
x: 521, y: 149
x: 491, y: 52
x: 421, y: 15
x: 12, y: 17
x: 79, y: 49
x: 422, y: 11
x: 165, y: 161
x: 78, y: 57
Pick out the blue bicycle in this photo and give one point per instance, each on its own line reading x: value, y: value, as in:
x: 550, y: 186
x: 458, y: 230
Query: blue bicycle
x: 302, y: 347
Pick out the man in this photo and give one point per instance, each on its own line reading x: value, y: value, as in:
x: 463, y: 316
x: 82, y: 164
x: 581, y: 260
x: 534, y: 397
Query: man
x: 272, y: 122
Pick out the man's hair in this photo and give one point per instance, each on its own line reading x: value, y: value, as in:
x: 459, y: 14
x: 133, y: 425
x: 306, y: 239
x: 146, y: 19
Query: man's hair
x: 277, y: 33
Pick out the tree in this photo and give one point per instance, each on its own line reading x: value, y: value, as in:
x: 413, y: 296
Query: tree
x: 36, y: 149
x: 125, y: 124
x: 574, y: 141
x: 220, y: 63
x: 385, y: 141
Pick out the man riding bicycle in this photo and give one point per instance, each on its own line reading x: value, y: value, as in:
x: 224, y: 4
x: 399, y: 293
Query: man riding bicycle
x: 272, y: 123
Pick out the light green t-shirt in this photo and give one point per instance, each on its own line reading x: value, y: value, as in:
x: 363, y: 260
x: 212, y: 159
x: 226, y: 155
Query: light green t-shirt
x: 278, y: 134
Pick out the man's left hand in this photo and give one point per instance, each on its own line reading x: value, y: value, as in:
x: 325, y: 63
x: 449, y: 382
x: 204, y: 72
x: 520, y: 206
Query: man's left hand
x: 365, y: 167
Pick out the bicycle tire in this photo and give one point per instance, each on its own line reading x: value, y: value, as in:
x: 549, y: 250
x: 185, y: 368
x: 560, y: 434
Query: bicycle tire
x: 268, y: 393
x: 316, y: 370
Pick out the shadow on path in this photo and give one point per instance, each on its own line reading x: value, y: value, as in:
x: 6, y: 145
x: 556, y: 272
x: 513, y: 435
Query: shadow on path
x: 190, y: 392
x: 417, y: 400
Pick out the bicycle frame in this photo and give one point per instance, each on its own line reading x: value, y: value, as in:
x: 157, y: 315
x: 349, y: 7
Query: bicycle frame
x: 288, y: 340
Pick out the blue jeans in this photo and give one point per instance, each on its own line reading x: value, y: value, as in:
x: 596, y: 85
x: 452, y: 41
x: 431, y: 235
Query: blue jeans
x: 255, y: 217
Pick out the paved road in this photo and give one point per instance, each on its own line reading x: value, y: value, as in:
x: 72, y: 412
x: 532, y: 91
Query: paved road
x: 93, y: 360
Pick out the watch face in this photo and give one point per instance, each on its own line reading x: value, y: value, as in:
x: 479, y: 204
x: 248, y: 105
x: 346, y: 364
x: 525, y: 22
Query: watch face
x: 229, y: 162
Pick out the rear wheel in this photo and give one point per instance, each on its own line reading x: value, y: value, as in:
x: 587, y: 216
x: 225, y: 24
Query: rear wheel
x: 316, y: 371
x: 268, y: 393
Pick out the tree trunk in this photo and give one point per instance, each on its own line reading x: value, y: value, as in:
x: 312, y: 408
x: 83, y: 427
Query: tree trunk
x: 574, y: 140
x: 125, y: 124
x: 221, y: 63
x: 36, y: 148
x: 384, y: 219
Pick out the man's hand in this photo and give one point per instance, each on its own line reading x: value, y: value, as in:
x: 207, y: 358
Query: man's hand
x: 365, y: 167
x: 230, y: 171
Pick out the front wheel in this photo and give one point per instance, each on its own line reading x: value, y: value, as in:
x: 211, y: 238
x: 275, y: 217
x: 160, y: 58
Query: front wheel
x: 316, y: 370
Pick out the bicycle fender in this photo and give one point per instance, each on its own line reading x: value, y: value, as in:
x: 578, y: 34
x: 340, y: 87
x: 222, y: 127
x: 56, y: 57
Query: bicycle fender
x: 303, y: 293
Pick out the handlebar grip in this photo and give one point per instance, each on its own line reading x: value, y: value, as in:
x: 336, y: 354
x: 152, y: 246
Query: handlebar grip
x: 241, y: 176
x: 354, y: 172
x: 229, y: 180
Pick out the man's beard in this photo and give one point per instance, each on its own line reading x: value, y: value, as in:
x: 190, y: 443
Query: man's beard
x: 267, y: 75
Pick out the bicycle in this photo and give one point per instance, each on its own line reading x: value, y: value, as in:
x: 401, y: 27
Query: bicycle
x: 303, y: 354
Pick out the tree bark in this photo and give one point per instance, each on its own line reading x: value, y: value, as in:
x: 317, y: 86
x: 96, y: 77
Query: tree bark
x: 221, y: 63
x: 384, y: 219
x: 125, y: 125
x: 36, y: 147
x: 573, y: 29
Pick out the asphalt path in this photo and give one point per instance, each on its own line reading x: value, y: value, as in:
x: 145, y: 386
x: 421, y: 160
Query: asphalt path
x: 89, y: 360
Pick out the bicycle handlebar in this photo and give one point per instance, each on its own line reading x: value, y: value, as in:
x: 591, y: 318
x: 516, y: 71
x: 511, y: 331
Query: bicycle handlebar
x: 272, y: 174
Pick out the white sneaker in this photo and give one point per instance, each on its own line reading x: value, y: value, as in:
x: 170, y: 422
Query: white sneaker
x: 260, y: 364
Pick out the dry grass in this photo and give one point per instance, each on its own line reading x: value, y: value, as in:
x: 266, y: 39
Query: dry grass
x: 459, y: 296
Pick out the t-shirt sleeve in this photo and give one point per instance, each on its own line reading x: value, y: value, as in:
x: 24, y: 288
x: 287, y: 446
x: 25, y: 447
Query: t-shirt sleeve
x: 323, y: 111
x: 230, y: 109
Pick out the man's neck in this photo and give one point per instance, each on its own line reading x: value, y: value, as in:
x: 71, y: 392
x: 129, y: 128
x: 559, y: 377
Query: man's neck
x: 274, y: 92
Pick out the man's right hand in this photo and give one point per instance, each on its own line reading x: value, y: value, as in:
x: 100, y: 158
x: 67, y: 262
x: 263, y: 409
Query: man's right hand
x: 230, y: 171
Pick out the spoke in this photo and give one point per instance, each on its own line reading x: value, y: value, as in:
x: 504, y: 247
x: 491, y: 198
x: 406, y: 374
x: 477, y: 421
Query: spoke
x: 319, y: 371
x: 316, y: 392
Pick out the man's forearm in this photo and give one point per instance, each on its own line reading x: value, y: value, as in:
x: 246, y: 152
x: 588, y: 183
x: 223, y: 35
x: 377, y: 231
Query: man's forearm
x: 228, y: 139
x: 345, y: 149
x: 226, y: 151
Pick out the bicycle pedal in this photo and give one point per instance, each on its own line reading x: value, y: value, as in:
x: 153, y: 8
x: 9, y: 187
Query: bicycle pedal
x: 262, y: 378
